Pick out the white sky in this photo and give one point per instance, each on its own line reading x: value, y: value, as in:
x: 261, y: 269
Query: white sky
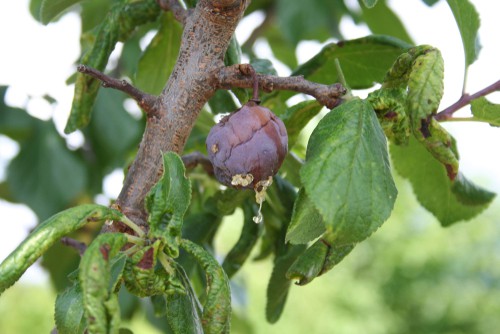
x: 36, y: 60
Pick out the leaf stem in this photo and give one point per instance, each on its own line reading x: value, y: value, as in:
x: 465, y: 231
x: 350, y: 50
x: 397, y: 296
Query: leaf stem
x: 131, y: 250
x: 133, y: 239
x: 465, y: 99
x: 341, y: 77
x: 133, y: 226
x: 79, y: 246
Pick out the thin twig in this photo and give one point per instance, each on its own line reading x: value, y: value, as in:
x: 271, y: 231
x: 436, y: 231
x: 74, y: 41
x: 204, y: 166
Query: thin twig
x: 79, y: 246
x: 237, y: 76
x: 464, y: 100
x: 194, y: 159
x: 144, y: 100
x: 180, y: 13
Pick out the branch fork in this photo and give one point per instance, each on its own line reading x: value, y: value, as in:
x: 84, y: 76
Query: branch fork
x: 146, y: 101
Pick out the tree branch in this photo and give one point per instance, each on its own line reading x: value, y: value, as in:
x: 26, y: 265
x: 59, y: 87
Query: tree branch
x: 79, y: 246
x: 145, y: 101
x: 194, y: 159
x: 179, y: 12
x: 207, y: 32
x: 464, y: 100
x: 239, y: 76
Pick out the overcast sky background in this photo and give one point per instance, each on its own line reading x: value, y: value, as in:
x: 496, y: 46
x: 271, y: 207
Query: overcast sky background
x: 36, y: 60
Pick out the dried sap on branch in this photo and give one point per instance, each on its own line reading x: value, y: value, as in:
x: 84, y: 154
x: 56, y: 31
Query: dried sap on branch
x: 247, y: 148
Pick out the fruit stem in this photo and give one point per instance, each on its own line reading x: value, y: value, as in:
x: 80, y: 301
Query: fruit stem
x: 251, y: 71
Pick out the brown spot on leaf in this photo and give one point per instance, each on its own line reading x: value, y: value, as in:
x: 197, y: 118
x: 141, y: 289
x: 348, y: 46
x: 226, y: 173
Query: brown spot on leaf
x: 147, y: 260
x: 390, y: 114
x: 424, y: 128
x: 105, y: 251
x: 451, y: 172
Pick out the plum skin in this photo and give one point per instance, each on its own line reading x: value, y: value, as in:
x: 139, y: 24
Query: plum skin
x: 247, y: 146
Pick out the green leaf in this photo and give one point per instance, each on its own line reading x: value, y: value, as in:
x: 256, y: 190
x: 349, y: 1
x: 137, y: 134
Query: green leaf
x: 370, y: 3
x: 125, y: 331
x: 307, y: 223
x: 291, y: 168
x: 297, y: 117
x: 222, y: 102
x: 35, y: 6
x: 50, y: 9
x: 216, y: 316
x: 390, y: 106
x: 86, y: 87
x: 470, y: 194
x: 120, y: 22
x: 425, y: 86
x: 279, y: 284
x: 318, y: 259
x: 263, y: 66
x: 433, y: 188
x: 282, y: 49
x: 226, y: 201
x: 15, y: 123
x: 160, y: 56
x: 430, y: 2
x: 233, y: 53
x: 116, y: 270
x: 167, y: 203
x: 101, y: 306
x: 347, y: 174
x: 317, y: 20
x: 240, y: 252
x: 197, y: 137
x: 93, y: 14
x: 159, y: 303
x: 45, y: 235
x: 144, y: 278
x: 309, y: 264
x: 425, y: 89
x: 390, y: 25
x: 110, y: 119
x: 46, y: 175
x: 485, y: 111
x: 468, y: 23
x: 69, y: 312
x: 364, y: 61
x: 184, y: 310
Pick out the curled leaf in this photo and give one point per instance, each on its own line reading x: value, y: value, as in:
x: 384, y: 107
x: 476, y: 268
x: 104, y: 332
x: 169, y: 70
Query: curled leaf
x: 167, y: 203
x: 46, y: 234
x: 100, y: 301
x: 216, y: 317
x: 318, y: 259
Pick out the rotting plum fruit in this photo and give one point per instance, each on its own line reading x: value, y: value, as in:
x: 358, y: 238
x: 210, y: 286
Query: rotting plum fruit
x: 247, y: 147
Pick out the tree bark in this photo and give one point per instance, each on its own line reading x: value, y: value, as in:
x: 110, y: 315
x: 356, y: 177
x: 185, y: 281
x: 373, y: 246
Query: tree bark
x: 207, y: 32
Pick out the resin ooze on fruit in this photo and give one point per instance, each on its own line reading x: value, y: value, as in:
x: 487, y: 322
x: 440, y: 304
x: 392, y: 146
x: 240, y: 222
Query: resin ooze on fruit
x: 247, y: 146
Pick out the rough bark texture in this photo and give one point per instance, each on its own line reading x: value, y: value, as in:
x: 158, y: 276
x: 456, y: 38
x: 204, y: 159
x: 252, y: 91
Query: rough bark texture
x: 206, y: 36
